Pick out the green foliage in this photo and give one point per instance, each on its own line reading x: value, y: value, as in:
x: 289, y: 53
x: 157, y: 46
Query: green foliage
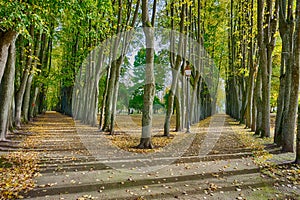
x: 123, y: 98
x: 137, y: 102
x: 160, y: 68
x: 19, y: 15
x: 102, y: 84
x: 275, y: 81
x: 215, y: 31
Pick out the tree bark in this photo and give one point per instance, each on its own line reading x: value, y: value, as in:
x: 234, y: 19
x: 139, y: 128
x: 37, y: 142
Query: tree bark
x: 258, y: 102
x: 263, y: 64
x: 26, y: 103
x: 175, y: 72
x: 297, y: 66
x: 21, y: 91
x: 6, y: 39
x: 289, y: 128
x: 33, y: 110
x: 26, y: 100
x: 297, y: 161
x: 149, y: 88
x: 6, y: 92
x: 285, y: 121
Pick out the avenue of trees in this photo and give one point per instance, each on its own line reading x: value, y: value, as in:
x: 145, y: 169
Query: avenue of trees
x: 72, y: 56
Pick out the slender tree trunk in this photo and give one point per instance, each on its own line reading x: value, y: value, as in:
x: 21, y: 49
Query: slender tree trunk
x: 6, y: 92
x: 113, y: 73
x: 95, y: 93
x: 257, y: 97
x: 297, y: 66
x: 126, y: 41
x: 250, y: 88
x: 33, y: 110
x: 183, y: 98
x: 21, y: 91
x: 175, y: 65
x: 102, y: 112
x: 254, y: 108
x: 115, y: 94
x: 297, y: 161
x: 109, y: 98
x: 26, y: 102
x: 265, y: 131
x: 281, y: 101
x: 178, y: 126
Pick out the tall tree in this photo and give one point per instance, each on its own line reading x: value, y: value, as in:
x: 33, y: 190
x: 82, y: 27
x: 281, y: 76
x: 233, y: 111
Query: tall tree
x: 286, y: 115
x: 176, y: 61
x: 267, y: 17
x: 149, y: 88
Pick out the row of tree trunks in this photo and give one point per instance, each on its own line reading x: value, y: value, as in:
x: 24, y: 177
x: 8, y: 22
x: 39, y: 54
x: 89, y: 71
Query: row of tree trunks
x: 23, y: 60
x: 254, y: 91
x: 189, y: 51
x: 121, y: 41
x: 26, y: 101
x: 85, y: 92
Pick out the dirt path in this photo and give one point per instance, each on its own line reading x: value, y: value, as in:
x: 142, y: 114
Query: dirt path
x: 77, y: 162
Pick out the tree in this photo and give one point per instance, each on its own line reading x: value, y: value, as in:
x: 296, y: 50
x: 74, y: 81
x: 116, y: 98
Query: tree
x: 149, y: 88
x: 296, y: 68
x: 288, y: 98
x: 175, y: 61
x: 6, y: 92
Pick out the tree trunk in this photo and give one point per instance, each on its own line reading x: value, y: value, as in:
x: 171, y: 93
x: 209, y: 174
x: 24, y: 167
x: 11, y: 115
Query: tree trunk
x: 178, y: 126
x: 6, y: 92
x: 283, y: 89
x: 6, y: 39
x: 265, y: 131
x: 258, y: 102
x: 175, y: 65
x: 26, y: 100
x: 297, y: 161
x: 109, y: 98
x: 297, y: 66
x: 33, y: 110
x: 115, y: 95
x: 21, y: 91
x: 103, y: 108
x: 289, y: 130
x: 149, y: 88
